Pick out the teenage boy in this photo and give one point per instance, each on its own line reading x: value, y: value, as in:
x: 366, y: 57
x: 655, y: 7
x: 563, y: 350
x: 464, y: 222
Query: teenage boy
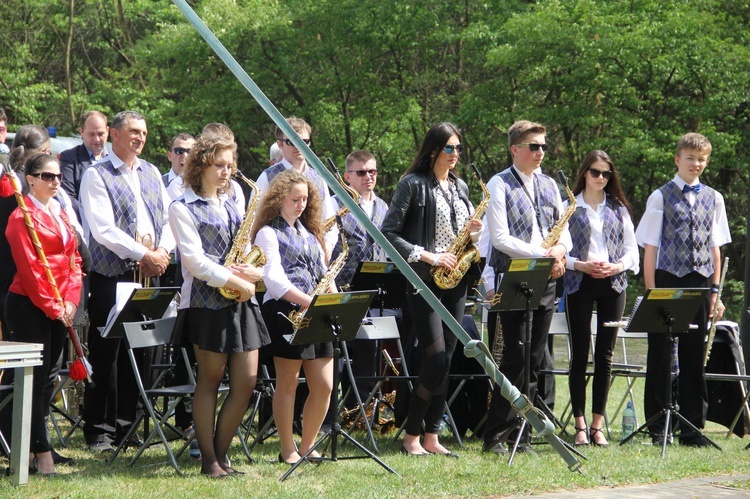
x: 681, y: 231
x: 524, y: 206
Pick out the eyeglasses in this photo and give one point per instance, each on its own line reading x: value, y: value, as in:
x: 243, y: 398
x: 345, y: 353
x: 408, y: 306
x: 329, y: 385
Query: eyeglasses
x: 450, y: 148
x: 181, y: 150
x: 362, y: 173
x: 533, y: 147
x: 290, y: 143
x: 596, y: 173
x: 48, y: 176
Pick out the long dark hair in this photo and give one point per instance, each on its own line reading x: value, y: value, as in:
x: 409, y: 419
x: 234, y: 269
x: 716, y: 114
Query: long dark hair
x: 433, y: 142
x: 28, y: 140
x: 613, y: 189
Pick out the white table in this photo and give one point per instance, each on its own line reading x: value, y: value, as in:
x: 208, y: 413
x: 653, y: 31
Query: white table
x: 22, y: 357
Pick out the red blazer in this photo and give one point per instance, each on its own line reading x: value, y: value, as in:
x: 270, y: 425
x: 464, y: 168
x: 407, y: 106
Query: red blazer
x: 64, y: 260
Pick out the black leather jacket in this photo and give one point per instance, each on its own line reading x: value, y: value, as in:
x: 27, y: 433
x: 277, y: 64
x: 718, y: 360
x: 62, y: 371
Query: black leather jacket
x: 411, y: 215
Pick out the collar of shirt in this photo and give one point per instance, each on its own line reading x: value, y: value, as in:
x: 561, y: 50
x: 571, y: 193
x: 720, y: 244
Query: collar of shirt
x: 53, y: 205
x: 92, y: 156
x: 191, y: 197
x: 288, y: 165
x: 582, y: 202
x: 681, y: 182
x: 119, y: 164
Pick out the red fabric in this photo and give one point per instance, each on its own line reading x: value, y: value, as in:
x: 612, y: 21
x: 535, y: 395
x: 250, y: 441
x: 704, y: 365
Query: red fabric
x: 6, y: 187
x: 77, y: 370
x: 31, y: 278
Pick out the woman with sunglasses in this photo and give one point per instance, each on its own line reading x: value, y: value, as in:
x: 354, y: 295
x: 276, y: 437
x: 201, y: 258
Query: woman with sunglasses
x: 604, y: 247
x: 225, y: 333
x: 32, y: 312
x: 430, y: 206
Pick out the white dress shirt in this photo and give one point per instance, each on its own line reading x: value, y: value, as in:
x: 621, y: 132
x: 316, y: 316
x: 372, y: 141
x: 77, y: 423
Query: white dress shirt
x: 195, y: 263
x: 177, y: 188
x: 650, y: 227
x: 598, y: 245
x: 99, y: 216
x: 497, y: 221
x: 275, y: 278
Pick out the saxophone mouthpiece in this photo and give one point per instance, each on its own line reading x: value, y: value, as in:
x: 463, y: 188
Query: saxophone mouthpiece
x: 562, y: 178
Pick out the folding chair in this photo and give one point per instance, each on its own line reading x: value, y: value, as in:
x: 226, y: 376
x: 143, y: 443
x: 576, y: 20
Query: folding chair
x: 63, y: 380
x: 631, y: 372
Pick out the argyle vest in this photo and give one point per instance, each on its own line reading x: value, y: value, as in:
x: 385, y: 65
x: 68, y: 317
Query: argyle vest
x: 613, y: 228
x: 216, y: 239
x: 122, y: 198
x: 361, y: 245
x: 521, y: 213
x: 274, y: 170
x: 686, y: 232
x: 300, y: 256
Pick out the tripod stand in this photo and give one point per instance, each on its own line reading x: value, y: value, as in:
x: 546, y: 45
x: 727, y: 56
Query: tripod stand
x: 336, y: 318
x: 667, y: 311
x: 517, y: 289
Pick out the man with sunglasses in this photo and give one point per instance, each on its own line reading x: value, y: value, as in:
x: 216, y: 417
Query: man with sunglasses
x: 179, y: 149
x: 74, y: 161
x: 293, y: 158
x: 524, y: 206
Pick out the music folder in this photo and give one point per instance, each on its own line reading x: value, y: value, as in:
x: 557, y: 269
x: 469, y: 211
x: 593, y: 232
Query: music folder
x: 665, y: 310
x: 344, y: 309
x: 136, y: 304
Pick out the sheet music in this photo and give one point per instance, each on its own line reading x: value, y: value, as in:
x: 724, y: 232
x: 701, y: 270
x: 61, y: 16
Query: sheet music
x: 632, y: 314
x: 124, y: 290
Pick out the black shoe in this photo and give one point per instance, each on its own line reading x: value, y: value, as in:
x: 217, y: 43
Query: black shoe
x: 497, y: 447
x: 61, y: 460
x: 659, y: 439
x: 522, y: 448
x: 698, y: 441
x: 135, y: 441
x: 101, y: 447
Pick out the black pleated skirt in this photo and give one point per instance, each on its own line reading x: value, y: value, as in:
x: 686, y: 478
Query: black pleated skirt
x: 236, y: 328
x: 279, y: 327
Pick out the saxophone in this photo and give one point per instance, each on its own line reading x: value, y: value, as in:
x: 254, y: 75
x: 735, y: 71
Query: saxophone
x: 237, y: 255
x: 297, y: 317
x: 556, y: 231
x: 330, y: 222
x: 463, y: 249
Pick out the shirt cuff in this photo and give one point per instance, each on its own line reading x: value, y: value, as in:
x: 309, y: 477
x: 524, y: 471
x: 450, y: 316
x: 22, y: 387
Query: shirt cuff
x: 415, y: 255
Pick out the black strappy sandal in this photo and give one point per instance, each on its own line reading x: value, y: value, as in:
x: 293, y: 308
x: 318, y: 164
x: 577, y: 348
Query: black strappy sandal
x: 583, y: 430
x: 593, y: 431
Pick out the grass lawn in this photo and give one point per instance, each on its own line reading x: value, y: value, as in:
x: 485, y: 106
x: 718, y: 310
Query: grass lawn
x: 474, y: 474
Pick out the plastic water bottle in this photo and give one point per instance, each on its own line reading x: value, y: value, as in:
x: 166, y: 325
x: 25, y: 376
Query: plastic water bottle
x: 628, y: 420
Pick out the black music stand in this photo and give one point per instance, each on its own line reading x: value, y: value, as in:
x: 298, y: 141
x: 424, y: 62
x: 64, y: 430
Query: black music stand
x: 384, y: 277
x: 517, y: 292
x: 144, y: 304
x: 334, y: 317
x: 667, y: 311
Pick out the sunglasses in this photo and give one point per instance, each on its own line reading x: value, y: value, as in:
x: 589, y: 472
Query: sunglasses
x: 362, y: 173
x: 533, y: 147
x: 48, y: 176
x: 181, y: 150
x: 290, y: 143
x: 449, y: 149
x: 596, y: 173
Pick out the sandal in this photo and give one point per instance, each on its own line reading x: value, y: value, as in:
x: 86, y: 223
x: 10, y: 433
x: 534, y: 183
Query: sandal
x: 583, y: 430
x: 592, y: 432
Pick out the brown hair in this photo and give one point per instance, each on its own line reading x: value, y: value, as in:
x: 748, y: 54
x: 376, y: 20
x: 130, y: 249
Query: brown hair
x: 88, y: 114
x: 180, y: 136
x: 358, y: 156
x: 219, y: 129
x: 297, y: 124
x: 520, y: 129
x: 202, y: 156
x: 28, y: 140
x: 434, y: 140
x: 270, y: 205
x: 613, y: 189
x: 695, y: 142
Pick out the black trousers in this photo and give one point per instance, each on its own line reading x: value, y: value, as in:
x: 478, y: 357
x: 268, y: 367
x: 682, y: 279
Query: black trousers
x: 579, y: 308
x: 115, y: 394
x: 501, y: 416
x: 692, y: 394
x: 436, y: 346
x: 29, y: 324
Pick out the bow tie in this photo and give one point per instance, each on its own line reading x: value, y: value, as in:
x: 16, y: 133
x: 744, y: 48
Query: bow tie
x: 695, y: 188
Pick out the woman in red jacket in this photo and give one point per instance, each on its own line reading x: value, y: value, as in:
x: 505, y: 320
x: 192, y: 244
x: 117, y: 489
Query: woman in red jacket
x: 32, y: 313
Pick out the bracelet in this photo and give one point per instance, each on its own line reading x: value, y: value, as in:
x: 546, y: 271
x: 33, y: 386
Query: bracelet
x: 714, y: 289
x: 436, y: 260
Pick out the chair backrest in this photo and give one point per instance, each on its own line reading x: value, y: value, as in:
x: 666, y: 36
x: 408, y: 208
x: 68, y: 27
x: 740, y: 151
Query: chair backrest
x: 378, y: 328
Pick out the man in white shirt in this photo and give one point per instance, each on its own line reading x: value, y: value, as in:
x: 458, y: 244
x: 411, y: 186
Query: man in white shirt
x: 179, y: 149
x: 524, y: 206
x: 125, y: 208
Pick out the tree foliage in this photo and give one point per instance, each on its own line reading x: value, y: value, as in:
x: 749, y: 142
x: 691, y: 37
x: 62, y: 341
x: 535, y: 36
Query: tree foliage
x: 628, y: 77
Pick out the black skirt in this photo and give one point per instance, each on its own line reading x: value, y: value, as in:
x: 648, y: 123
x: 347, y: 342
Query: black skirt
x: 236, y: 328
x: 279, y: 326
